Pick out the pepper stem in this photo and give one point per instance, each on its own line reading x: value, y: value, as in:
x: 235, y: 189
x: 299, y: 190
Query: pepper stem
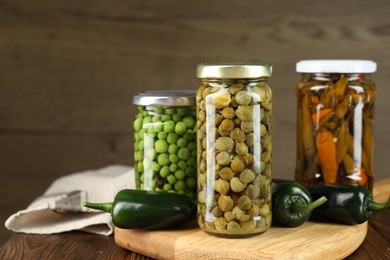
x: 376, y: 206
x: 107, y: 207
x: 307, y: 208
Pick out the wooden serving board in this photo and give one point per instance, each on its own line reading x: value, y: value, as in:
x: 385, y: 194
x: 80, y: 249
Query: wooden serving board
x: 312, y: 239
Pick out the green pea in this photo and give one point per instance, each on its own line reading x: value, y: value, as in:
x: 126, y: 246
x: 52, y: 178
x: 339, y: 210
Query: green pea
x: 152, y: 184
x: 189, y: 135
x: 164, y: 172
x: 173, y: 167
x: 180, y: 128
x: 140, y: 155
x: 155, y: 154
x: 194, y: 154
x: 191, y: 195
x: 182, y: 165
x: 172, y: 138
x: 173, y: 158
x: 163, y: 159
x: 145, y: 113
x: 149, y: 154
x: 171, y: 191
x: 167, y: 187
x: 141, y: 186
x: 159, y: 110
x: 170, y: 111
x: 191, y: 182
x: 173, y: 148
x: 181, y: 142
x: 189, y: 121
x: 151, y: 132
x: 176, y: 118
x: 140, y: 166
x: 136, y: 137
x: 147, y: 164
x: 183, y: 111
x: 182, y: 192
x: 148, y: 141
x: 141, y: 145
x: 162, y: 135
x: 137, y: 124
x: 142, y: 177
x: 190, y: 172
x: 158, y: 127
x: 191, y: 162
x: 156, y: 167
x: 156, y: 119
x: 158, y: 189
x: 147, y: 120
x: 171, y: 179
x: 192, y: 145
x: 161, y: 146
x: 169, y: 126
x: 180, y: 175
x: 165, y: 118
x: 180, y: 185
x: 141, y: 133
x: 184, y: 153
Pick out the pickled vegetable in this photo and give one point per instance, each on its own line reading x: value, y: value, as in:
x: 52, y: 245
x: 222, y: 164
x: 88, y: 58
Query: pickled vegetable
x: 165, y: 149
x: 334, y: 130
x: 234, y: 144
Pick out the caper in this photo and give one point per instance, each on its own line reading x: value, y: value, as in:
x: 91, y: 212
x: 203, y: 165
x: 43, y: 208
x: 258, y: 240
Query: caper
x: 237, y: 134
x: 225, y: 203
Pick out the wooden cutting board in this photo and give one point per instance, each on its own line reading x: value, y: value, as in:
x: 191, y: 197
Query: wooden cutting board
x: 312, y: 239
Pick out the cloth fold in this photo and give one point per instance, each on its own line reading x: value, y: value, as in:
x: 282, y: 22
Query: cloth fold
x: 60, y: 208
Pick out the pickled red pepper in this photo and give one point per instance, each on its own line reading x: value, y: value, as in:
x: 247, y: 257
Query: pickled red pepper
x: 327, y: 154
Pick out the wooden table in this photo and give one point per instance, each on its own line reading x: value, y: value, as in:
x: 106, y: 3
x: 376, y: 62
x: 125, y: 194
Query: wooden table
x: 80, y: 245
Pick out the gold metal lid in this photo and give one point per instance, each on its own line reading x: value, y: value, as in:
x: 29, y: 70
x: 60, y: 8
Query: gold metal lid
x: 234, y: 70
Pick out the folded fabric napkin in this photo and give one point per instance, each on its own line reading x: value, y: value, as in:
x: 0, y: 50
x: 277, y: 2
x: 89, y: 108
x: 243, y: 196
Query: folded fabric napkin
x: 60, y: 208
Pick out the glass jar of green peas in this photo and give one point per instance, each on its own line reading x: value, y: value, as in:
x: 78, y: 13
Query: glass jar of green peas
x: 165, y: 142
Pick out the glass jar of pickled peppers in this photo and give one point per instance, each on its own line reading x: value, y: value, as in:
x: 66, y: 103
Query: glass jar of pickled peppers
x: 165, y: 142
x: 335, y: 122
x: 234, y: 112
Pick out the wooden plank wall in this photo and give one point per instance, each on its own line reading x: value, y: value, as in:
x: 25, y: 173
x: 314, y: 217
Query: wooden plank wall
x: 68, y: 71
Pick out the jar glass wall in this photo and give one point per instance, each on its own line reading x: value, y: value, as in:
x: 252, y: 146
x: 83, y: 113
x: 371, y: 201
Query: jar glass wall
x: 234, y: 114
x: 335, y: 122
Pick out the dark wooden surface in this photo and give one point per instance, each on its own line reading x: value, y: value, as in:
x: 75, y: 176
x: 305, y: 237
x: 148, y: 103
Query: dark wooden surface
x: 68, y: 71
x: 77, y: 245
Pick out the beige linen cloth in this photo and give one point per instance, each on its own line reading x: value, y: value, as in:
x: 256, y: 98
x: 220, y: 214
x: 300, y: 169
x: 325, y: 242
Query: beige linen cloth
x: 60, y: 208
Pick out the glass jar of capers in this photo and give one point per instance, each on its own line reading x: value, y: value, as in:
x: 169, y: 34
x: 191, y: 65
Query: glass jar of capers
x: 165, y: 142
x: 233, y: 106
x: 335, y: 122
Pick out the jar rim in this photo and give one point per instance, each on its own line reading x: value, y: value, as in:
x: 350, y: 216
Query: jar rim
x: 233, y: 70
x: 336, y: 66
x: 165, y: 98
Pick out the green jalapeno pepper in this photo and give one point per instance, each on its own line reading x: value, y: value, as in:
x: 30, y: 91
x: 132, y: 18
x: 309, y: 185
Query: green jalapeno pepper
x: 347, y: 204
x: 292, y: 204
x: 147, y: 209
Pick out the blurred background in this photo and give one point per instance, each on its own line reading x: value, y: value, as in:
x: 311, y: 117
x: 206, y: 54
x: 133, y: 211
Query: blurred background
x: 69, y: 69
